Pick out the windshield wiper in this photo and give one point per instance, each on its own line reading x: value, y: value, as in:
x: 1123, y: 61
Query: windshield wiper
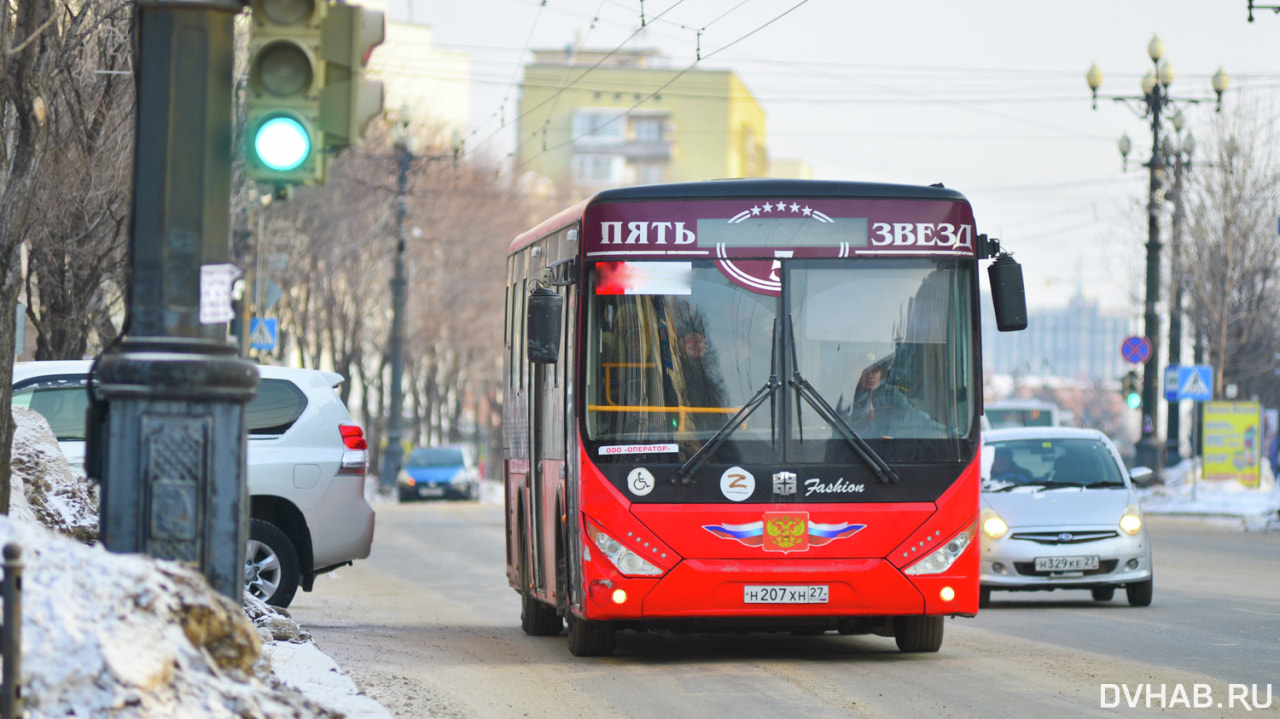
x: 1046, y: 484
x: 883, y: 471
x: 684, y: 475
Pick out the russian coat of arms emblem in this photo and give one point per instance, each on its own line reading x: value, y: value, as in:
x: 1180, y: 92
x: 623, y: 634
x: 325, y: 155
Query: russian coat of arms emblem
x: 786, y: 532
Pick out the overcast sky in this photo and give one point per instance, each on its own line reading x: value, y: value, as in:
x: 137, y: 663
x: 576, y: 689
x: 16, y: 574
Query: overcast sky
x: 986, y: 96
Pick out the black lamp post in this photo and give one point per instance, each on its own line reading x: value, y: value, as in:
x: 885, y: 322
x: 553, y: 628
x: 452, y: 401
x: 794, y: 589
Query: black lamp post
x: 1155, y: 98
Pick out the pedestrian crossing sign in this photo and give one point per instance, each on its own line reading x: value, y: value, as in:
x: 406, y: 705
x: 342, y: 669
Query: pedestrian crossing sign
x: 1193, y: 382
x: 263, y: 333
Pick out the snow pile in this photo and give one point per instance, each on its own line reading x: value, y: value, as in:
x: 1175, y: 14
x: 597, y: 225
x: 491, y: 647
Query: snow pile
x: 1185, y: 492
x: 129, y: 636
x: 117, y: 635
x: 43, y: 487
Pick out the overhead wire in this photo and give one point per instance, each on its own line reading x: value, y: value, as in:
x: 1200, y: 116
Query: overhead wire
x: 678, y: 75
x: 585, y: 72
x: 516, y: 70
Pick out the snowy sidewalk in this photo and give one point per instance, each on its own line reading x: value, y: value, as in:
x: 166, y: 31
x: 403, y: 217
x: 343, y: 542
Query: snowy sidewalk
x: 309, y: 670
x: 1256, y: 508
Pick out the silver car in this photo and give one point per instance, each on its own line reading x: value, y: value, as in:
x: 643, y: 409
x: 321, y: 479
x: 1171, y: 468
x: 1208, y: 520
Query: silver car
x: 306, y: 467
x: 1059, y: 511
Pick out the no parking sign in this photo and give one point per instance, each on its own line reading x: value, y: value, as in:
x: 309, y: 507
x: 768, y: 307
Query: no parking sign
x: 1136, y: 350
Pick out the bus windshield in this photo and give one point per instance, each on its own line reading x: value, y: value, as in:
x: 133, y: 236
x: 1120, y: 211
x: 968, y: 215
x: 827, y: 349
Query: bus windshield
x: 676, y: 349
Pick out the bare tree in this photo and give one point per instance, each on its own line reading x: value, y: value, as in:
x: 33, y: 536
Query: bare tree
x: 38, y: 38
x: 77, y: 229
x: 1231, y: 259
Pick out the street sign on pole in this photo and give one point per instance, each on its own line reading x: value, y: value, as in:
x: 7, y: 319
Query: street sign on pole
x: 1136, y: 349
x: 1171, y: 383
x: 1193, y: 382
x: 263, y: 333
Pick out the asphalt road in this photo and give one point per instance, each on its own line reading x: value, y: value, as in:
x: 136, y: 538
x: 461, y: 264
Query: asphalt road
x: 429, y: 628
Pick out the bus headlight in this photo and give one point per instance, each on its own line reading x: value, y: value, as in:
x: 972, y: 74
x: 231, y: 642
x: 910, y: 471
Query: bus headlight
x: 942, y: 558
x: 1131, y: 522
x: 626, y: 561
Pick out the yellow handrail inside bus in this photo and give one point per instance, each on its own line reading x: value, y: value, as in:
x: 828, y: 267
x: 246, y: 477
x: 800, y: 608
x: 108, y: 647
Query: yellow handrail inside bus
x: 681, y: 411
x: 656, y: 408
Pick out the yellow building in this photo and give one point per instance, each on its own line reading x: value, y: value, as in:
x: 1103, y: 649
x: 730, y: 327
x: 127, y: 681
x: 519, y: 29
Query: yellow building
x: 591, y: 120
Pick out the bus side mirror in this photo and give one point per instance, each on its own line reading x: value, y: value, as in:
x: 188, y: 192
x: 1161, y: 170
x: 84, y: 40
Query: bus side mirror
x: 545, y: 309
x: 1008, y: 294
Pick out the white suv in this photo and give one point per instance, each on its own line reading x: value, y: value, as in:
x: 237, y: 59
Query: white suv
x: 306, y: 466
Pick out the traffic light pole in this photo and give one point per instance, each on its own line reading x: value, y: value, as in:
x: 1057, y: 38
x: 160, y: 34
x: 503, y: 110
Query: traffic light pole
x: 166, y: 438
x: 393, y: 455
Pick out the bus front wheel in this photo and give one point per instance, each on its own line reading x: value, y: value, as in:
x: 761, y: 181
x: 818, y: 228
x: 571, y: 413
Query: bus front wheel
x: 536, y: 618
x: 918, y: 634
x: 590, y: 639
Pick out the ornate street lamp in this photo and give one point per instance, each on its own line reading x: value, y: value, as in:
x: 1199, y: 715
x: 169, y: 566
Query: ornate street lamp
x: 1155, y: 99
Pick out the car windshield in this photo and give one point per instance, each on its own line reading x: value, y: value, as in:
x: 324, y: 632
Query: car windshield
x: 436, y: 457
x: 62, y: 403
x: 1042, y: 462
x: 676, y: 362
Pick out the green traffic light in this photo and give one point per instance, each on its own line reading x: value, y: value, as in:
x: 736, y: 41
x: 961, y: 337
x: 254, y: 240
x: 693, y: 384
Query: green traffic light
x: 282, y: 143
x: 1134, y: 400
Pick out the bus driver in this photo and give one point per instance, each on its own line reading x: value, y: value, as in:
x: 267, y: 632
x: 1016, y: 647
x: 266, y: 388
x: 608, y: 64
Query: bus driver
x: 874, y: 394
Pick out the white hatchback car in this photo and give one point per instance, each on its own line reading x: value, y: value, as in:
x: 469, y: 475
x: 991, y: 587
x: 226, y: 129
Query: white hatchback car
x: 1059, y: 512
x: 306, y: 466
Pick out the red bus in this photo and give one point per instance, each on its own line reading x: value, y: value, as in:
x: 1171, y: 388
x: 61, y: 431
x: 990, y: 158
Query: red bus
x: 748, y: 405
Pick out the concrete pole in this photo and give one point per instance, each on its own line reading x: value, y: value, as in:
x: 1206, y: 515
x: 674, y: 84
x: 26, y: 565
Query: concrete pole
x: 393, y: 455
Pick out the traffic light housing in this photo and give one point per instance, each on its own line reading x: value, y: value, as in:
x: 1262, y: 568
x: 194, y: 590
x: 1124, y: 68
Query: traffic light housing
x: 349, y: 101
x: 307, y: 95
x: 1131, y: 389
x: 282, y: 106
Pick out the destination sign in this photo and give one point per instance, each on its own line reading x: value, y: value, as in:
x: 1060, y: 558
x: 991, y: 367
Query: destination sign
x: 757, y: 228
x: 783, y: 232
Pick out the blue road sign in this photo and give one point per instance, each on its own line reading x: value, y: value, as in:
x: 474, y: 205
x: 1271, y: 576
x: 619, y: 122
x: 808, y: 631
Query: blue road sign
x: 1171, y: 382
x: 1196, y: 382
x: 1193, y: 382
x: 1136, y: 350
x: 263, y: 334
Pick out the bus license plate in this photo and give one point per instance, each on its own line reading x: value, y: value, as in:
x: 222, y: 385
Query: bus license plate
x: 784, y: 594
x: 1065, y: 564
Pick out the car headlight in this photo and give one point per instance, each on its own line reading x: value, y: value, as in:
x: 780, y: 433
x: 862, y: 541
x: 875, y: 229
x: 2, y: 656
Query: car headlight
x: 992, y: 524
x: 627, y: 561
x: 459, y: 478
x: 1131, y: 522
x: 404, y: 479
x: 941, y: 559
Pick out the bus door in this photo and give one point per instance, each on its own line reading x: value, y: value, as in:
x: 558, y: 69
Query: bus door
x: 548, y: 370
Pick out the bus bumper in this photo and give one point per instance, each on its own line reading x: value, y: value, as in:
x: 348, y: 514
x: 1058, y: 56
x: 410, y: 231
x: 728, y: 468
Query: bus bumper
x: 719, y: 588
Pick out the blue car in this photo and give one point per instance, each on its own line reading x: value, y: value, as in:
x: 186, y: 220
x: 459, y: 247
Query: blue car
x: 445, y: 472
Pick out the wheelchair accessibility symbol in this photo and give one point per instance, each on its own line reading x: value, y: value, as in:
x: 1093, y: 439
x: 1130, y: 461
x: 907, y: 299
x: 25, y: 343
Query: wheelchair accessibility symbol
x: 640, y: 481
